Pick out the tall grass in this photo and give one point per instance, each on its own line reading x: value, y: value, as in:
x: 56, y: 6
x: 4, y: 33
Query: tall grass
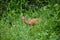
x: 12, y: 27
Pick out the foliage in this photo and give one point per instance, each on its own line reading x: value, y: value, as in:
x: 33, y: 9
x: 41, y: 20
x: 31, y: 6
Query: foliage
x: 12, y: 27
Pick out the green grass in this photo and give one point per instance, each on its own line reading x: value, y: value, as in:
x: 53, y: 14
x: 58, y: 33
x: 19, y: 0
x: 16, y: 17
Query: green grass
x: 48, y: 28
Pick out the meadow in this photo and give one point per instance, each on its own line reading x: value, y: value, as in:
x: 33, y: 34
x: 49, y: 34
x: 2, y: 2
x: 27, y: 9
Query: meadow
x: 12, y: 27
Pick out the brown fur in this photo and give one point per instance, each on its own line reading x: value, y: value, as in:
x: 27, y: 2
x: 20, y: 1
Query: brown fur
x: 30, y: 22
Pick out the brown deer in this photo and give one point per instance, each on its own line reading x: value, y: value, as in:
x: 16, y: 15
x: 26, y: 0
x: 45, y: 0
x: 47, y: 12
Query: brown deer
x: 30, y: 22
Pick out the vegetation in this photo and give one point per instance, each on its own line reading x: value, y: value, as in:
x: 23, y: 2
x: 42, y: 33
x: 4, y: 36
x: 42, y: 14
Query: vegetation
x: 12, y: 27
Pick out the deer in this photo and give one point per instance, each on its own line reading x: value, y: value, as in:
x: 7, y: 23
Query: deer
x: 31, y: 21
